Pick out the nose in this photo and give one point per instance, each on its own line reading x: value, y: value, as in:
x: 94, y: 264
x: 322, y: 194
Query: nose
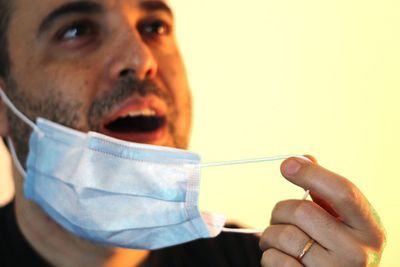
x: 132, y: 55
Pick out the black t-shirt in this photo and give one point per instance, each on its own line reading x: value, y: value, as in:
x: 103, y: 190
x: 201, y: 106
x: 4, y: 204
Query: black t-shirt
x: 228, y: 249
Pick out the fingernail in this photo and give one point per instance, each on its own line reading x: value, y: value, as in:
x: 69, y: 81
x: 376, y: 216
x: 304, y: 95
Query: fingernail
x: 292, y: 166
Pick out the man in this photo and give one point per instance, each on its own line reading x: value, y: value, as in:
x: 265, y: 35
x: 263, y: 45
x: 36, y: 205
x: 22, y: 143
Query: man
x: 113, y: 67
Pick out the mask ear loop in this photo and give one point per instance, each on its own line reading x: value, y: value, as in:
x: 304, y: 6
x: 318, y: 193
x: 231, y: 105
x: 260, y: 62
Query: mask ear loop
x: 15, y: 157
x: 18, y: 113
x: 25, y: 119
x: 248, y: 161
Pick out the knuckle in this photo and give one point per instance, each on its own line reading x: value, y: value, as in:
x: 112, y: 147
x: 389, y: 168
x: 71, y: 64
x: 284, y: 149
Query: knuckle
x: 263, y: 243
x: 306, y: 168
x: 271, y: 258
x: 382, y: 240
x: 289, y: 235
x: 266, y: 258
x: 348, y: 194
x: 378, y: 241
x: 359, y: 257
x: 278, y: 207
x: 361, y: 260
x: 288, y: 262
x: 303, y: 211
x: 285, y: 263
x: 377, y: 236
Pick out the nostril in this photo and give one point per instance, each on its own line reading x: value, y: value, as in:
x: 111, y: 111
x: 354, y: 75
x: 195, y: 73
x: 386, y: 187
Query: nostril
x: 125, y: 73
x: 150, y: 74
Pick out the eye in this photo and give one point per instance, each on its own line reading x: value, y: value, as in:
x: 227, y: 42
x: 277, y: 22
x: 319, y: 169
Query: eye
x: 155, y: 28
x: 76, y: 30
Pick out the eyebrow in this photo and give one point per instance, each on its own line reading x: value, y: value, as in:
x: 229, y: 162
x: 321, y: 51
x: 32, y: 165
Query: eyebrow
x: 156, y: 5
x: 89, y: 7
x: 77, y: 7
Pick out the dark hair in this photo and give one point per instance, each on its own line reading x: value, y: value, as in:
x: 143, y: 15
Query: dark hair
x: 5, y: 10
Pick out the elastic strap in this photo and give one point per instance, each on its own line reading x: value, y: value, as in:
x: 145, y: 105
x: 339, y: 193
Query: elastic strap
x: 248, y: 161
x: 18, y: 113
x: 15, y: 157
x: 25, y: 119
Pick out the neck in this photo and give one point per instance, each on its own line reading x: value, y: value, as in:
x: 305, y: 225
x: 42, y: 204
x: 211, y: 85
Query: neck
x: 61, y: 248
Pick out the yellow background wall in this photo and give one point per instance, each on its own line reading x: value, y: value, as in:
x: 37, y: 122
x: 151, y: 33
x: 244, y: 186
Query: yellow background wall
x: 289, y: 76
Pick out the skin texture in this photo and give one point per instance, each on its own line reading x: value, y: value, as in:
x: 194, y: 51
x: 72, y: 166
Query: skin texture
x: 347, y: 231
x: 75, y: 73
x: 76, y: 80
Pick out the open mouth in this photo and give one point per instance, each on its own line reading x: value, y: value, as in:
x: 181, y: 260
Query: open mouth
x: 142, y: 121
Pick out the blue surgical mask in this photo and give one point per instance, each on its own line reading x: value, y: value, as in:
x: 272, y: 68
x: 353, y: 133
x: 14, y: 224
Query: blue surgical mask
x: 115, y: 192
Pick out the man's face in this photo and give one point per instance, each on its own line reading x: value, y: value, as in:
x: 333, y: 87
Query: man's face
x: 110, y: 66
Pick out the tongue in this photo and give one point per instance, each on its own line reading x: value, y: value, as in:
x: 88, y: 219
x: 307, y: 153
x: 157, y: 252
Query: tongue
x: 137, y: 124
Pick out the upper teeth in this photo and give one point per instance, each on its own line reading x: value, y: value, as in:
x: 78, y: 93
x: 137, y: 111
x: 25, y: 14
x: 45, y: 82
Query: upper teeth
x: 143, y: 112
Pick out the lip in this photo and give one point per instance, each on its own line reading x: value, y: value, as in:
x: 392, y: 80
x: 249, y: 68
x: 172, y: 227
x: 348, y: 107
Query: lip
x: 137, y: 103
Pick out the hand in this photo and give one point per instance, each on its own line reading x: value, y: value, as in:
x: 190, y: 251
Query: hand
x: 346, y: 229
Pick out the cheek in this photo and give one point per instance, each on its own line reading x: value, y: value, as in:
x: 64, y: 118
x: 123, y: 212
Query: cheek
x: 71, y: 86
x: 173, y: 74
x: 74, y: 84
x: 78, y: 76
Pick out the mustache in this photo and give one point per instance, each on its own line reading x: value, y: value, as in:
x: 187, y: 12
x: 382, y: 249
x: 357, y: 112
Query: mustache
x: 126, y: 87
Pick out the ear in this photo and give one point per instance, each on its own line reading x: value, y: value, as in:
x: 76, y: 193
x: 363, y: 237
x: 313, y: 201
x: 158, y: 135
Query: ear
x: 4, y: 127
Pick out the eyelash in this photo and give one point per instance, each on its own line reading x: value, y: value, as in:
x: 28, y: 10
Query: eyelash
x: 89, y: 28
x: 150, y: 29
x: 155, y: 28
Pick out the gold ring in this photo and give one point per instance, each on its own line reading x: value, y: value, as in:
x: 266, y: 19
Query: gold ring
x: 306, y: 249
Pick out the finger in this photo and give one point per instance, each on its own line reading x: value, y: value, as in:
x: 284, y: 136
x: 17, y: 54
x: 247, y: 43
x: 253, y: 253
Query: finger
x: 340, y: 241
x: 324, y: 204
x: 314, y: 221
x: 275, y: 258
x: 343, y: 196
x: 291, y: 240
x: 312, y: 158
